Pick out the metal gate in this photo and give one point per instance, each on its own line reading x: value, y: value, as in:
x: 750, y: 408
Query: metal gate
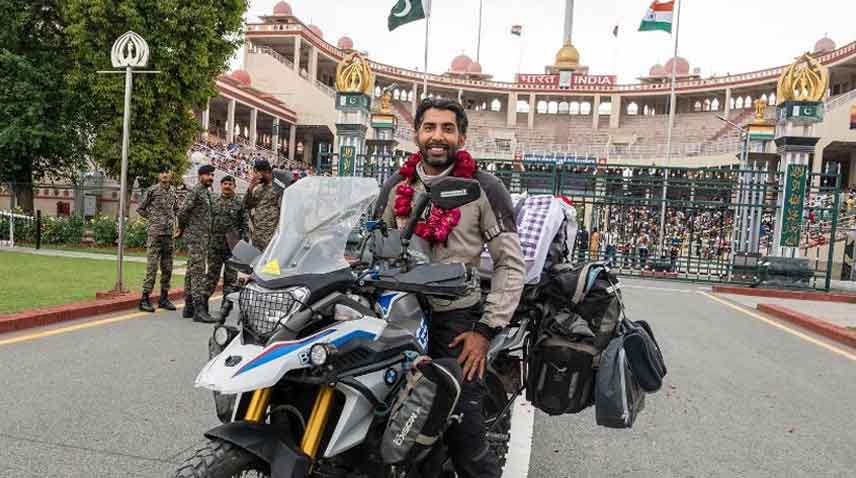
x: 719, y: 222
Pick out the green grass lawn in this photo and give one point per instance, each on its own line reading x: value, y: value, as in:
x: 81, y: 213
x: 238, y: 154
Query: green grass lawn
x: 28, y: 281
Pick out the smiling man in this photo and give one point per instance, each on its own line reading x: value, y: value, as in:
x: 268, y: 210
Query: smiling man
x: 461, y: 328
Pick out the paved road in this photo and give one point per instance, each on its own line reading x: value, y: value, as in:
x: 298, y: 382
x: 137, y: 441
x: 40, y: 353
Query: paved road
x: 744, y: 398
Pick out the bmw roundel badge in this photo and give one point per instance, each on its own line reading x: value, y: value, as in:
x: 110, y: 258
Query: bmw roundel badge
x: 390, y: 376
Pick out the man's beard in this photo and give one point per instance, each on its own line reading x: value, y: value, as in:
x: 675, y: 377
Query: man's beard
x: 451, y: 155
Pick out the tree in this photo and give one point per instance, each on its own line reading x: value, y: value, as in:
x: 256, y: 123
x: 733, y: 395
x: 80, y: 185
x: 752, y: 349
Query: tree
x: 38, y: 125
x: 190, y: 43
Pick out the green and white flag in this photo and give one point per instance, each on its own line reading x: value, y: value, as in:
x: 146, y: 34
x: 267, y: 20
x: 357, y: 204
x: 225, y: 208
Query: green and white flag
x: 406, y: 11
x: 658, y: 17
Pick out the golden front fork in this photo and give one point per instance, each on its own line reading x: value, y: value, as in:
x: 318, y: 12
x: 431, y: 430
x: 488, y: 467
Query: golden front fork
x: 258, y: 405
x: 317, y: 421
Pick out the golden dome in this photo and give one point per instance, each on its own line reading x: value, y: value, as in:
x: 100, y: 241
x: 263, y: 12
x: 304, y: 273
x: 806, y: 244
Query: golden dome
x: 568, y: 57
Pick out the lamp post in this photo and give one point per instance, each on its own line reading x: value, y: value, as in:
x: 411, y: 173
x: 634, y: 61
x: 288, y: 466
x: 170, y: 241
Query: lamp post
x: 129, y: 51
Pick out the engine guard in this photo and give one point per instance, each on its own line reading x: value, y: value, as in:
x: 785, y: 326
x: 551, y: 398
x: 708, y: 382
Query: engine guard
x: 268, y: 443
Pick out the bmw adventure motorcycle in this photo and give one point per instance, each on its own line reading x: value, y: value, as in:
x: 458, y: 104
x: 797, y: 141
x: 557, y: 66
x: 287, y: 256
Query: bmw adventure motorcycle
x: 330, y: 322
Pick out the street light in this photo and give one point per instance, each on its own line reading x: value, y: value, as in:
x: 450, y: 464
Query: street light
x: 129, y: 51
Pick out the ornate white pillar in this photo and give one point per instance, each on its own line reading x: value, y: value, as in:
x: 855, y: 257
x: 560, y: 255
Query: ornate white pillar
x: 531, y: 118
x: 297, y: 41
x: 230, y: 121
x: 254, y: 134
x: 511, y: 113
x: 595, y: 112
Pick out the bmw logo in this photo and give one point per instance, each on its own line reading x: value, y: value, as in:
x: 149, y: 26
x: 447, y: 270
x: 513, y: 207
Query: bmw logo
x: 390, y: 376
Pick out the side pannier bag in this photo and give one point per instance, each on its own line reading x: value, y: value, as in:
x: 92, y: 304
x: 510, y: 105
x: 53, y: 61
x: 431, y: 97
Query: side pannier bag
x: 618, y: 398
x: 561, y: 363
x: 593, y: 292
x: 643, y: 355
x: 422, y: 410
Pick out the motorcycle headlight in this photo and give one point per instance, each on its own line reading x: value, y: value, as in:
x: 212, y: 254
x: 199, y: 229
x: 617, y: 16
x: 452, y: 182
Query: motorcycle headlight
x: 262, y: 310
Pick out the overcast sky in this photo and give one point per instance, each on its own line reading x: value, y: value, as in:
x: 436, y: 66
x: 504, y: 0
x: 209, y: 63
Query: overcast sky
x: 718, y: 36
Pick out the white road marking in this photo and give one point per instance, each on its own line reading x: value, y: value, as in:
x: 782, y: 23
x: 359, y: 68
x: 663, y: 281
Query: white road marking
x: 794, y: 332
x: 664, y: 289
x: 520, y: 446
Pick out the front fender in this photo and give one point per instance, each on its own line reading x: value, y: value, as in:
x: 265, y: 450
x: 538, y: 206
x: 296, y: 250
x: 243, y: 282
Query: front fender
x: 268, y: 442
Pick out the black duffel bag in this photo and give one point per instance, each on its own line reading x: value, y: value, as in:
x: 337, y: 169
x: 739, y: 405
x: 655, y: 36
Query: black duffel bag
x: 643, y: 355
x: 560, y: 365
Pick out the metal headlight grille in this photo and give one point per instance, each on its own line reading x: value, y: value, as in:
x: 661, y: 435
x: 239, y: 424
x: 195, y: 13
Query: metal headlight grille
x: 262, y: 310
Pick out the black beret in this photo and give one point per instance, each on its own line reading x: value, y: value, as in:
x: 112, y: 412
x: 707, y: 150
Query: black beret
x: 206, y: 169
x: 227, y: 178
x: 262, y: 165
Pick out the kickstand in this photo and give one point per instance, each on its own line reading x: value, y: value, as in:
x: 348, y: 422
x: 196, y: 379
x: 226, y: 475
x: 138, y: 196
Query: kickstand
x: 505, y: 409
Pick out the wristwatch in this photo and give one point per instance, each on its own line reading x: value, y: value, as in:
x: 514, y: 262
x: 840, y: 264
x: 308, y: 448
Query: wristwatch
x: 485, y: 330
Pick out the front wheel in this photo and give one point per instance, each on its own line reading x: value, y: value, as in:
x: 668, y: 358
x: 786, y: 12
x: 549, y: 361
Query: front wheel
x: 219, y: 459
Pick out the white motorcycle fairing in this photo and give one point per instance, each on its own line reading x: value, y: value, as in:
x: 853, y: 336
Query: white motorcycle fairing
x: 246, y: 367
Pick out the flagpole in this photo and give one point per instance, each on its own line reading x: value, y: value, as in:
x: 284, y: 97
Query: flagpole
x: 425, y: 63
x: 672, y: 108
x: 478, y: 44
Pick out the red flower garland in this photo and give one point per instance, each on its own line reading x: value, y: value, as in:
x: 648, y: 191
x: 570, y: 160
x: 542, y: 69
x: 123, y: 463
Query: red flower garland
x: 440, y: 222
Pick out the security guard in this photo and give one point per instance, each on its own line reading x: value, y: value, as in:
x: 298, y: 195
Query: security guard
x: 229, y: 216
x: 194, y: 223
x: 262, y: 202
x: 159, y: 206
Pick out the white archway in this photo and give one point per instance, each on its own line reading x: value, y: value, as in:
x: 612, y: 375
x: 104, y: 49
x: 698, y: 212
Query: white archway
x: 585, y: 108
x: 632, y: 109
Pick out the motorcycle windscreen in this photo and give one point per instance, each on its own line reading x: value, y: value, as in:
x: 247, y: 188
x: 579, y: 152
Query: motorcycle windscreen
x: 316, y: 218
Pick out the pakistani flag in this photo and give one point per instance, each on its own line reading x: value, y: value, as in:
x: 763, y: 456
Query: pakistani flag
x: 658, y: 17
x: 406, y: 11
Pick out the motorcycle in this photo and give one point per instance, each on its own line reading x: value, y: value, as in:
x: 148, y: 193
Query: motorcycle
x: 322, y: 344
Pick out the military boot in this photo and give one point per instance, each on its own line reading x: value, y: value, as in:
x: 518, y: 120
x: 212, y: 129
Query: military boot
x: 145, y: 303
x: 189, y: 311
x: 225, y: 309
x: 164, y: 302
x: 201, y: 312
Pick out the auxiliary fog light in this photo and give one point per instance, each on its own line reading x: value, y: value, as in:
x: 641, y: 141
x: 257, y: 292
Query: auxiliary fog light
x: 320, y: 354
x: 221, y: 336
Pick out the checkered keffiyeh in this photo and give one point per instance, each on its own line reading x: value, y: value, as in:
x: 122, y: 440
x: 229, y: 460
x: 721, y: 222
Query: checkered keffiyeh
x: 530, y: 227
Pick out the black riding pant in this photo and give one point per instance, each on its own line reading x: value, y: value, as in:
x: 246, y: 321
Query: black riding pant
x: 465, y: 440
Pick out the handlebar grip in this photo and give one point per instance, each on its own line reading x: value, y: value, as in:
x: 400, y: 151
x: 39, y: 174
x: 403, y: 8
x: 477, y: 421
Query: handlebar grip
x: 419, y: 205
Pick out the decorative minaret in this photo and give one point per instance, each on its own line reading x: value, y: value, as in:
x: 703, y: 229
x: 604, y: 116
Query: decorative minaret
x: 800, y: 93
x: 354, y: 87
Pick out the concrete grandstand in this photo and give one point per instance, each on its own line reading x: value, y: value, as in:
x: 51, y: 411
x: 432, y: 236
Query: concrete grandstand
x: 291, y: 61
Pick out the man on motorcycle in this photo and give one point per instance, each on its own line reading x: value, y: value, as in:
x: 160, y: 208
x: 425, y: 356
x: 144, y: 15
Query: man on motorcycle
x: 461, y: 328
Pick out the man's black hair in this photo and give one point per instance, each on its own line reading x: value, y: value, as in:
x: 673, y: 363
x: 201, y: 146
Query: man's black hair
x: 442, y: 104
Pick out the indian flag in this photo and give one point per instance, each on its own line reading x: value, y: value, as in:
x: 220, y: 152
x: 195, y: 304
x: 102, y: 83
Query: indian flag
x: 658, y: 17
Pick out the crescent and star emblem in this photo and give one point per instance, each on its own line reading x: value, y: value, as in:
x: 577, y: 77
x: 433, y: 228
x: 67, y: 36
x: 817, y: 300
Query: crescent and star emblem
x: 408, y: 6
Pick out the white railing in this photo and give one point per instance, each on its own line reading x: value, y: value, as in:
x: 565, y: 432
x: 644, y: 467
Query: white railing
x: 839, y: 100
x: 614, y: 152
x: 275, y: 54
x: 326, y: 89
x: 11, y: 216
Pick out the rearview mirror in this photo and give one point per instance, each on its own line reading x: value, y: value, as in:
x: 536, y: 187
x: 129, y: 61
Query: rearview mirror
x: 282, y: 179
x: 243, y: 256
x: 452, y: 193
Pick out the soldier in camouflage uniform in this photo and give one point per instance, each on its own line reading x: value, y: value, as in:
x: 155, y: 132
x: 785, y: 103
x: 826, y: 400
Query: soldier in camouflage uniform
x: 159, y: 206
x: 262, y: 202
x: 229, y: 216
x: 195, y: 219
